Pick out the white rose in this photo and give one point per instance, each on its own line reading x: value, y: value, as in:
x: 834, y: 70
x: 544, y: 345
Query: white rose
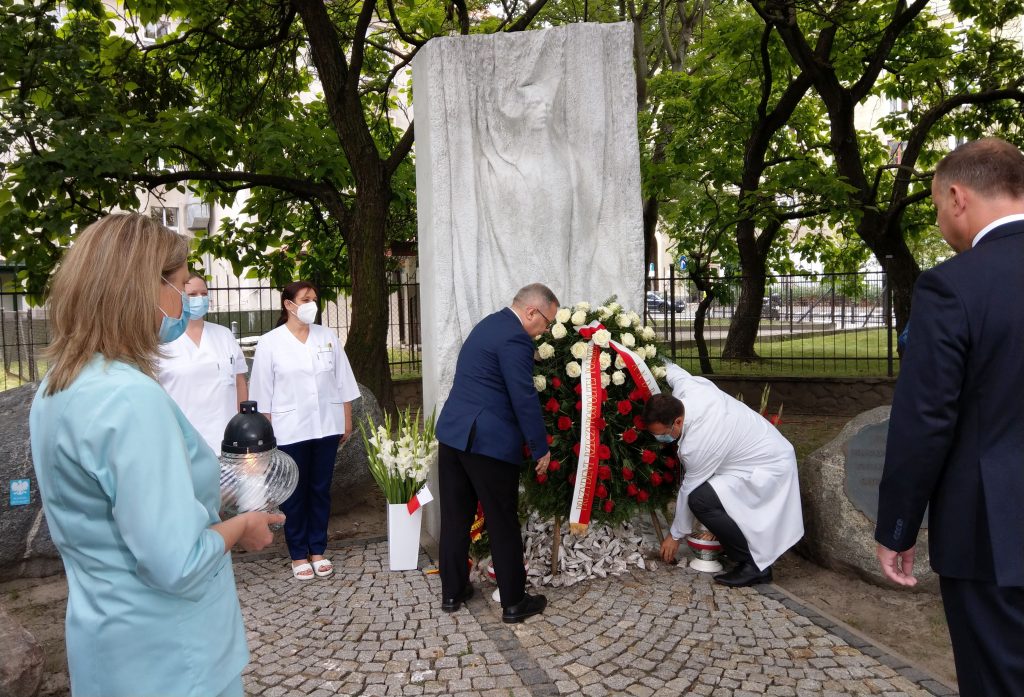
x: 585, y: 306
x: 605, y: 360
x: 636, y: 320
x: 563, y: 315
x: 618, y: 377
x: 573, y: 370
x: 628, y: 340
x: 659, y: 371
x: 602, y: 337
x: 614, y: 307
x: 540, y: 382
x: 558, y: 331
x: 647, y: 333
x: 619, y: 363
x: 623, y: 321
x: 545, y: 351
x: 579, y: 317
x: 578, y: 350
x: 605, y: 379
x: 652, y: 351
x: 603, y: 312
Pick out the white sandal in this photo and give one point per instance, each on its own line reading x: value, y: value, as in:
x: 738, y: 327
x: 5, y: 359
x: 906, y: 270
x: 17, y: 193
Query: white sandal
x: 303, y: 572
x: 320, y: 571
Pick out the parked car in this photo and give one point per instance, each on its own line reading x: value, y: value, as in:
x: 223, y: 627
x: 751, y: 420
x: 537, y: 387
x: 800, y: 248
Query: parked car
x: 771, y: 307
x: 656, y: 302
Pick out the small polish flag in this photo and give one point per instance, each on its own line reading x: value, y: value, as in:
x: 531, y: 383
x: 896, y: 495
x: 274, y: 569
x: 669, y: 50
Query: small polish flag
x: 420, y: 498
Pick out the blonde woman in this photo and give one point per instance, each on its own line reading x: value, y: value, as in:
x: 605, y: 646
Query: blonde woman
x: 130, y: 489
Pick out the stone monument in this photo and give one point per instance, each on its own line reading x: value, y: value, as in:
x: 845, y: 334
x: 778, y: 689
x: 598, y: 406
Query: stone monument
x: 839, y: 492
x: 527, y: 170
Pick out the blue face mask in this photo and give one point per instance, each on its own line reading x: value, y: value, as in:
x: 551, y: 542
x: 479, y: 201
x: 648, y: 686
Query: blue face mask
x: 173, y: 327
x: 663, y: 437
x: 198, y: 306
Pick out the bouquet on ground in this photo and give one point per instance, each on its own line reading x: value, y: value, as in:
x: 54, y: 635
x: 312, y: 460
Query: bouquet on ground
x: 400, y: 455
x: 592, y: 379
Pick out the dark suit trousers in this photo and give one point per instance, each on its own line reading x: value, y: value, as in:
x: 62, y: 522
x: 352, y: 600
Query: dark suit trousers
x: 708, y: 508
x: 466, y: 478
x: 986, y: 624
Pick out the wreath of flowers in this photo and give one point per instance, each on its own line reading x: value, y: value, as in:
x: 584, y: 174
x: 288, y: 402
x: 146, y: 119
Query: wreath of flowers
x: 636, y: 472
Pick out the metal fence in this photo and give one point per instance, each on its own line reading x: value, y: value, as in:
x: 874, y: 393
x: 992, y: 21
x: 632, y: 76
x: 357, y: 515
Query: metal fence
x: 810, y: 324
x: 834, y: 324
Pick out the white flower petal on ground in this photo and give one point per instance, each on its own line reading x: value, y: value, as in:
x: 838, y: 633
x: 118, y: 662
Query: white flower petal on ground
x: 573, y: 370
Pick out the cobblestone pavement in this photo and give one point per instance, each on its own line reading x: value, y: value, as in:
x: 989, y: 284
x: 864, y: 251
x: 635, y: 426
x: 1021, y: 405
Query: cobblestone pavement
x: 368, y: 631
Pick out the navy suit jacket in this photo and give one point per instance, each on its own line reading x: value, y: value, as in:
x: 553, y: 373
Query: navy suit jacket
x: 493, y: 397
x: 956, y: 433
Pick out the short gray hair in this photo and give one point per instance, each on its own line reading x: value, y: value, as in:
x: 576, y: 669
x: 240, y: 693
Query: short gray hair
x: 535, y: 294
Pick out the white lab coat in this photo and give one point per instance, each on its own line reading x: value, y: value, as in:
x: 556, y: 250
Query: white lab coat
x: 750, y: 465
x: 303, y: 386
x: 201, y: 379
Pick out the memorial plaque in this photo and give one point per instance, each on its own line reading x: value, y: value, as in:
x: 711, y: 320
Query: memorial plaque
x: 865, y: 458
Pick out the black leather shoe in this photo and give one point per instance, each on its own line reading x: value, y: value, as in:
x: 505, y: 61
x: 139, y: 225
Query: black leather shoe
x: 529, y: 606
x: 745, y: 574
x: 453, y: 604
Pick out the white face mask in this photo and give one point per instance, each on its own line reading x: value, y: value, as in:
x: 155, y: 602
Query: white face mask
x: 306, y: 312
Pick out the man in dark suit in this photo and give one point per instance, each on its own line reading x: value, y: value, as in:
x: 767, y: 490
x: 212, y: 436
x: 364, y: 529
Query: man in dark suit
x: 491, y: 413
x: 956, y: 434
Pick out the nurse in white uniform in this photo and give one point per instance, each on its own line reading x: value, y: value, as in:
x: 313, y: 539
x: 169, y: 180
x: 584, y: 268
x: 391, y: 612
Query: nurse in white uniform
x: 740, y: 476
x: 302, y: 381
x: 204, y: 370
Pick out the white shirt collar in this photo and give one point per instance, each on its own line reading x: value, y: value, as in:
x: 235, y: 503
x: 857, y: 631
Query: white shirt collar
x: 996, y: 223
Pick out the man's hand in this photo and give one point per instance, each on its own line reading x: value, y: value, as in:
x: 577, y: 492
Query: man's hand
x: 542, y: 464
x: 897, y: 566
x: 669, y: 547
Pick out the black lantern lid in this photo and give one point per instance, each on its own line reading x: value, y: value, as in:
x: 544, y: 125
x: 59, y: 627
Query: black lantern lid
x: 248, y: 432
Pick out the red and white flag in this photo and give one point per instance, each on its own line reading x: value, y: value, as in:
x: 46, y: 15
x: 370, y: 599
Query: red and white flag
x: 420, y: 498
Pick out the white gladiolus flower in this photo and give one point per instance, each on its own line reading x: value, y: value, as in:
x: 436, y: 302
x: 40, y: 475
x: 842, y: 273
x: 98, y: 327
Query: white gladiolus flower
x: 619, y: 363
x: 605, y: 360
x: 602, y: 337
x: 558, y: 331
x: 628, y: 340
x: 623, y: 321
x: 647, y: 333
x: 545, y: 351
x: 563, y: 315
x: 579, y: 317
x: 583, y: 305
x: 578, y: 350
x: 605, y: 379
x: 540, y: 382
x: 618, y: 377
x: 659, y: 371
x: 573, y: 370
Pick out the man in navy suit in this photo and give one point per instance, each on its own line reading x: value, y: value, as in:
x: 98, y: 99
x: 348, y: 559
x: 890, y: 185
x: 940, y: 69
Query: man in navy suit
x: 492, y: 412
x: 956, y: 433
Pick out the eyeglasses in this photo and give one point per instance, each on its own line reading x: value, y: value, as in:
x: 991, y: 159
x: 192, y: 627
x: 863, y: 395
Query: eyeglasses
x: 549, y: 321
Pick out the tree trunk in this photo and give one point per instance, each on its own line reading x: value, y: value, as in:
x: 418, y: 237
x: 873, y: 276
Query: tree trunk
x: 746, y: 319
x: 698, y: 333
x: 900, y: 267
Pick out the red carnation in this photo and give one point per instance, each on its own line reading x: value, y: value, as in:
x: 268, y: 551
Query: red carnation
x: 601, y: 492
x: 639, y: 423
x: 632, y: 490
x: 551, y: 439
x: 642, y: 496
x: 668, y: 477
x: 636, y: 394
x: 554, y: 465
x: 671, y: 462
x: 656, y: 479
x: 541, y: 478
x: 624, y: 406
x: 564, y: 423
x: 648, y: 456
x: 627, y: 474
x: 579, y: 406
x: 603, y: 452
x: 556, y: 383
x: 600, y: 424
x: 578, y: 389
x: 604, y: 473
x: 576, y: 450
x: 609, y: 506
x: 551, y: 405
x: 629, y: 435
x: 604, y: 395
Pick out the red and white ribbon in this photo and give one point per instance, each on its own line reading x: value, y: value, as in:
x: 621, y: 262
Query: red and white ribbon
x: 420, y: 498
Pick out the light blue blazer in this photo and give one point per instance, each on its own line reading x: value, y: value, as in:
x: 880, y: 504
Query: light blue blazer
x: 130, y: 490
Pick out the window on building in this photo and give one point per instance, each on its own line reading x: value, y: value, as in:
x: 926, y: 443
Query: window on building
x: 165, y: 215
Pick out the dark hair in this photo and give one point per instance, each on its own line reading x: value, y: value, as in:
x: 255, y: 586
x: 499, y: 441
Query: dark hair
x: 289, y: 292
x: 662, y: 409
x: 989, y: 166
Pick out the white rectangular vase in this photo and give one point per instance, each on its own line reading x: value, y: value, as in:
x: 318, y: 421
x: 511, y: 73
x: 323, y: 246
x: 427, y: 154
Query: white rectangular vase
x: 403, y: 537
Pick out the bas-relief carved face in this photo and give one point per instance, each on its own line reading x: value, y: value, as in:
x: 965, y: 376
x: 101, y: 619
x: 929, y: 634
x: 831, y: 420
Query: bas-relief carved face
x: 537, y: 108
